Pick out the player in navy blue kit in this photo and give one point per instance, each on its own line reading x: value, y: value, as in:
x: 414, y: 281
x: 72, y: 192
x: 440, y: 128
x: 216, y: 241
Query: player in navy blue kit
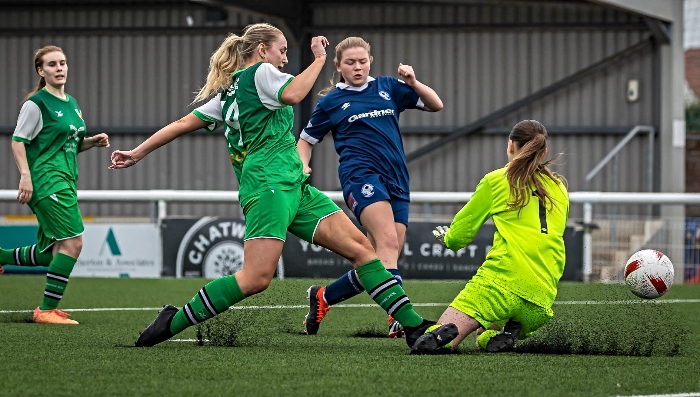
x: 363, y: 114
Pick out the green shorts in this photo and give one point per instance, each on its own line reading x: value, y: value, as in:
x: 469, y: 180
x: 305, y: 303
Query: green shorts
x: 488, y: 303
x: 59, y: 218
x: 271, y: 213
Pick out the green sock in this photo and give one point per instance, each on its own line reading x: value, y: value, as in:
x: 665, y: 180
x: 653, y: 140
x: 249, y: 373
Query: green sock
x: 213, y: 299
x: 57, y: 280
x: 383, y: 288
x: 25, y: 256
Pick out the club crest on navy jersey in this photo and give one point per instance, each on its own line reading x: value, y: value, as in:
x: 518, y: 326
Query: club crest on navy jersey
x: 367, y: 190
x: 384, y: 95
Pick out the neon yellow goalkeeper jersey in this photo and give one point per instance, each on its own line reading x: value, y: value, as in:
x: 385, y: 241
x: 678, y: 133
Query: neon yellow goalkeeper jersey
x: 528, y: 254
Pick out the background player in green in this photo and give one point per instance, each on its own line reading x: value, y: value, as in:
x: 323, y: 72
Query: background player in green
x: 512, y: 293
x: 253, y: 105
x: 49, y: 134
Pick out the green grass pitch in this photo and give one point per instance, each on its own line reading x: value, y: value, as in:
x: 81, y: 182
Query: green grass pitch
x: 603, y: 341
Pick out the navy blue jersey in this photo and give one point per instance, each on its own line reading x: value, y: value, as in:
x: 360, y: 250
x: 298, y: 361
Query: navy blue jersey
x: 365, y: 126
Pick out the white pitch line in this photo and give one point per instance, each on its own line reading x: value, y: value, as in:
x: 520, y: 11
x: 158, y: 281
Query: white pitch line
x: 694, y: 394
x: 628, y: 302
x: 361, y: 305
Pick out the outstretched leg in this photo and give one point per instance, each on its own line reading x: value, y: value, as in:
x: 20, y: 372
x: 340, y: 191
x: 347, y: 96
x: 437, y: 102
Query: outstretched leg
x: 260, y: 262
x: 25, y: 256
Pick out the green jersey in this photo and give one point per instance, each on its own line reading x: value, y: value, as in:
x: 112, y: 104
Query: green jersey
x: 52, y: 130
x: 528, y: 254
x: 258, y: 130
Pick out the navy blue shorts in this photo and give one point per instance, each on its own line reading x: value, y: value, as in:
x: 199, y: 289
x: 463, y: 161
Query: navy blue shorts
x: 370, y: 189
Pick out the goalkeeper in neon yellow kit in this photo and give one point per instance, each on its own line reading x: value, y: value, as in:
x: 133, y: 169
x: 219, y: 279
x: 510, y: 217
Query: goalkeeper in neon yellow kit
x: 511, y: 295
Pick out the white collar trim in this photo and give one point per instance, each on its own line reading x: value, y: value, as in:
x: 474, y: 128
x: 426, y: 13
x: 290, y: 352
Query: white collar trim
x: 344, y: 86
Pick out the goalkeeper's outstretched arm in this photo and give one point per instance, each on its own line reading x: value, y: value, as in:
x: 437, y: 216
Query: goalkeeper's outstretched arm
x: 468, y: 220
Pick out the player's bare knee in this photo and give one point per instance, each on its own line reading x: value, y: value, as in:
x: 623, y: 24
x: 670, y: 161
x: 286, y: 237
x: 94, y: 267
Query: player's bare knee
x: 390, y: 242
x: 361, y: 254
x: 77, y: 247
x: 259, y: 284
x: 71, y: 247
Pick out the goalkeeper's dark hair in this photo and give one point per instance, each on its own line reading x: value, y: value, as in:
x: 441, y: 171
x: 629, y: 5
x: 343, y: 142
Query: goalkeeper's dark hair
x: 529, y: 164
x: 347, y: 43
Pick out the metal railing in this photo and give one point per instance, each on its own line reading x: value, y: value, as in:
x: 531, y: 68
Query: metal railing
x: 587, y: 199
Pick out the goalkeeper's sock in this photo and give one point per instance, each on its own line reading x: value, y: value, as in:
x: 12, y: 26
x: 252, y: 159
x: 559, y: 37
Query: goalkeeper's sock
x: 213, y: 299
x: 57, y: 280
x: 384, y: 289
x: 483, y: 339
x: 348, y: 285
x: 25, y: 256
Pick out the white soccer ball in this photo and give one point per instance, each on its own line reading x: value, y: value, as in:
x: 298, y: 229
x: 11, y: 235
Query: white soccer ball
x: 649, y: 274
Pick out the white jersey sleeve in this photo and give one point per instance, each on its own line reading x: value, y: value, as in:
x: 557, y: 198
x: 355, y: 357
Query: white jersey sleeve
x: 211, y: 112
x: 29, y: 122
x: 270, y: 83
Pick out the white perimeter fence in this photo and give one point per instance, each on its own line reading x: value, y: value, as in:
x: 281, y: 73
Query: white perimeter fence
x: 587, y: 199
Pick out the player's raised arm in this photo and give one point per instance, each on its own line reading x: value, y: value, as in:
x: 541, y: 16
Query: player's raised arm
x: 127, y: 158
x: 430, y: 98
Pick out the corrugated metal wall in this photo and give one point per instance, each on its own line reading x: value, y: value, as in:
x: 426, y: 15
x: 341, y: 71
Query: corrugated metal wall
x: 138, y: 68
x: 130, y: 79
x: 480, y: 70
x: 127, y: 68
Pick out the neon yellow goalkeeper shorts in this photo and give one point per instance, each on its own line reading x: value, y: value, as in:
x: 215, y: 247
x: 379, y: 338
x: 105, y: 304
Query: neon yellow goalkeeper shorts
x: 489, y: 303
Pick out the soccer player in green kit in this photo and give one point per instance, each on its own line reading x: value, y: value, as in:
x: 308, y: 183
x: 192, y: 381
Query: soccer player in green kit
x: 49, y: 134
x: 511, y: 295
x: 253, y: 105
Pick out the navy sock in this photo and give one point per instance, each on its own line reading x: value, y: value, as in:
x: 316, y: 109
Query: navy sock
x: 348, y: 285
x: 345, y: 287
x: 397, y: 275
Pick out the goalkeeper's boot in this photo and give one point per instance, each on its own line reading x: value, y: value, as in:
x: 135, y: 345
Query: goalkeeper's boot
x: 2, y: 269
x: 504, y: 340
x: 53, y: 316
x: 395, y: 328
x: 427, y: 326
x: 159, y: 330
x: 433, y: 340
x: 317, y: 309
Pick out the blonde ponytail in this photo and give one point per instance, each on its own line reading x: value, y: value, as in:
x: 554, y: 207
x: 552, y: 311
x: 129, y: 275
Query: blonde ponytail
x: 232, y: 55
x: 225, y: 60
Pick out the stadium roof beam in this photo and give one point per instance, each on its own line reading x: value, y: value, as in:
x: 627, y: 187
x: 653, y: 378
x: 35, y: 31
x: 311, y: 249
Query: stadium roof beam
x: 288, y: 16
x: 482, y: 27
x: 650, y: 8
x: 659, y: 30
x: 120, y: 31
